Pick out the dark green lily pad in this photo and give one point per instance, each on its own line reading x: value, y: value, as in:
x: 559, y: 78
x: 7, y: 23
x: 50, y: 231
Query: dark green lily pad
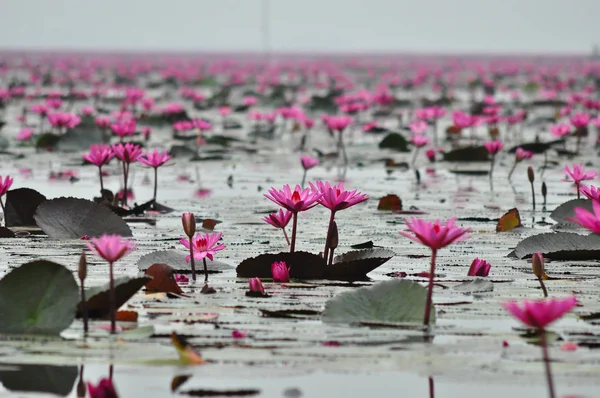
x: 357, y: 264
x: 477, y: 285
x: 561, y: 246
x: 391, y: 302
x: 97, y: 296
x: 468, y: 154
x: 21, y: 204
x: 55, y: 380
x: 38, y: 298
x: 394, y: 141
x: 72, y: 218
x: 302, y: 265
x: 567, y: 209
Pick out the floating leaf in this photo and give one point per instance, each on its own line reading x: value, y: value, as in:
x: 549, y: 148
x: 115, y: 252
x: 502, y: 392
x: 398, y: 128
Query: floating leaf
x: 176, y: 260
x: 357, y: 264
x: 509, y: 221
x: 390, y: 202
x: 561, y: 246
x: 468, y: 154
x: 127, y: 316
x: 21, y: 204
x: 72, y: 218
x: 210, y: 224
x: 97, y: 296
x: 365, y: 245
x: 221, y: 393
x: 392, y: 302
x: 162, y: 279
x: 394, y: 141
x: 535, y: 147
x: 37, y: 298
x: 302, y: 265
x: 567, y: 209
x: 187, y: 354
x: 6, y: 233
x: 477, y: 285
x: 50, y: 379
x: 178, y: 381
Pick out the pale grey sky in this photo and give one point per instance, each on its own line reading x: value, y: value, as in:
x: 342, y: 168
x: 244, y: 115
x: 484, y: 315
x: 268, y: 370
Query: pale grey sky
x: 455, y: 26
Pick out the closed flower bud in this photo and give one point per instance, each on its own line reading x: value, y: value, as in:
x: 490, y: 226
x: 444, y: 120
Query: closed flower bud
x: 255, y: 285
x: 544, y: 189
x: 82, y: 268
x: 530, y: 174
x: 333, y: 238
x: 189, y: 224
x: 537, y: 262
x: 280, y: 271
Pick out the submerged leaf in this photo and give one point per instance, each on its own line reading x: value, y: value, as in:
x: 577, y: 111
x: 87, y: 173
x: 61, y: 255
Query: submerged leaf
x: 37, y: 298
x: 72, y: 218
x: 393, y: 302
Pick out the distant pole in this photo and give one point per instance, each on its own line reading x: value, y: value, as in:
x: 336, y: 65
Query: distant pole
x: 266, y: 11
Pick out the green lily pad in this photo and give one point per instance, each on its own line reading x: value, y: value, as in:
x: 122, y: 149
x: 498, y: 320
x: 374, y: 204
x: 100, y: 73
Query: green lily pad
x: 56, y: 380
x: 394, y: 141
x: 38, y: 298
x: 97, y: 296
x: 391, y: 302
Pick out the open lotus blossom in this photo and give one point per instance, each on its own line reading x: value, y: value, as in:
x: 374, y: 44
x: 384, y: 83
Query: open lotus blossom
x: 280, y: 271
x: 522, y: 154
x: 419, y: 141
x: 102, y: 122
x: 127, y: 153
x: 493, y: 147
x: 204, y: 245
x: 104, y: 389
x: 580, y: 119
x: 63, y: 120
x: 590, y: 192
x: 124, y: 128
x: 434, y: 235
x: 280, y: 219
x: 577, y: 175
x: 5, y: 184
x: 25, y: 134
x: 479, y: 267
x: 560, y: 130
x: 418, y: 126
x: 99, y: 155
x: 155, y: 159
x: 586, y: 219
x: 111, y: 248
x: 307, y: 164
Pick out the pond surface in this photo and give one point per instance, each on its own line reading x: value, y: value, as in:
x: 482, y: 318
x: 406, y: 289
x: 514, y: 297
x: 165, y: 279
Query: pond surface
x: 299, y: 355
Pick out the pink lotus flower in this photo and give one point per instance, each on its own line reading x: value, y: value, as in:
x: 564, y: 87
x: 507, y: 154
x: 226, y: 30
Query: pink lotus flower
x: 180, y: 278
x: 280, y: 219
x: 40, y: 109
x: 111, y: 247
x: 419, y: 141
x: 201, y: 124
x: 124, y: 128
x: 249, y: 100
x: 430, y: 153
x: 155, y: 158
x: 434, y: 235
x: 204, y: 245
x: 102, y: 122
x: 239, y: 334
x: 104, y: 389
x: 479, y: 268
x: 146, y: 130
x: 418, y: 127
x: 586, y: 219
x: 87, y: 110
x: 255, y: 285
x: 540, y: 313
x: 5, y: 185
x: 493, y: 147
x: 578, y: 175
x: 128, y: 153
x: 560, y: 130
x: 63, y: 119
x: 338, y: 123
x: 461, y: 119
x: 591, y: 192
x: 296, y: 201
x: 580, y: 119
x: 280, y: 271
x: 336, y: 198
x: 308, y: 162
x: 98, y: 155
x: 522, y: 154
x: 25, y: 134
x: 225, y: 111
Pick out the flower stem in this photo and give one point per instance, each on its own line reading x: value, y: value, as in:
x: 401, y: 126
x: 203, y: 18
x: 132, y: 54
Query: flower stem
x: 533, y: 195
x: 205, y: 270
x: 294, y: 225
x: 578, y: 193
x: 155, y: 183
x: 414, y: 158
x: 101, y: 182
x: 514, y: 166
x: 112, y: 302
x: 544, y: 343
x: 125, y: 172
x: 329, y: 228
x: 303, y: 179
x: 286, y: 236
x: 431, y: 388
x: 192, y: 260
x: 543, y: 287
x: 492, y: 173
x: 430, y: 288
x: 3, y: 210
x: 84, y: 309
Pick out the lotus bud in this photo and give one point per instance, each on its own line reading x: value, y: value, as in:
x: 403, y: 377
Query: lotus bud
x: 544, y: 189
x: 537, y: 262
x: 255, y: 285
x: 334, y: 238
x: 530, y: 174
x: 280, y: 271
x: 82, y: 268
x: 189, y: 224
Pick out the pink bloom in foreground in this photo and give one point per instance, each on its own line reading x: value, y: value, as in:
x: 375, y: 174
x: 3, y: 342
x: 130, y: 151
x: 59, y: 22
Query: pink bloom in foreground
x: 578, y: 175
x: 155, y: 158
x: 434, y: 235
x: 205, y: 245
x: 255, y: 285
x: 5, y: 185
x: 308, y: 162
x: 111, y: 247
x: 98, y: 155
x: 479, y: 267
x: 128, y: 153
x: 104, y: 389
x: 522, y: 154
x: 336, y: 198
x: 540, y: 313
x: 586, y: 219
x: 493, y: 147
x: 295, y: 201
x: 591, y: 192
x: 280, y: 219
x: 280, y: 271
x: 419, y: 141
